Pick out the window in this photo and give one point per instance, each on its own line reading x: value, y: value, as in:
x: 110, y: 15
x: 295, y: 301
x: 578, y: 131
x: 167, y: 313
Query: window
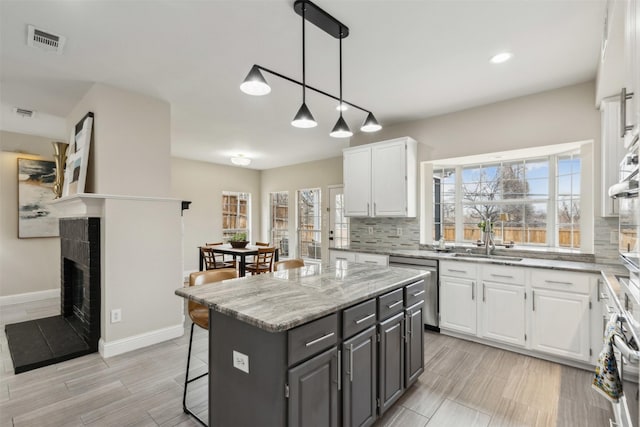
x: 338, y: 223
x: 517, y: 196
x: 236, y: 211
x: 279, y: 202
x: 309, y: 223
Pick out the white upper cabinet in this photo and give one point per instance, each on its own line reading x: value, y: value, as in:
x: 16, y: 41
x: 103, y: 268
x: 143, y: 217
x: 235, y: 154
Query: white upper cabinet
x: 380, y: 179
x: 632, y: 67
x: 612, y: 150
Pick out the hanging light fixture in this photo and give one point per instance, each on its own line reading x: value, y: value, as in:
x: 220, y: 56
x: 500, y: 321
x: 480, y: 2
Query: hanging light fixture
x: 304, y: 118
x: 255, y: 84
x: 341, y: 129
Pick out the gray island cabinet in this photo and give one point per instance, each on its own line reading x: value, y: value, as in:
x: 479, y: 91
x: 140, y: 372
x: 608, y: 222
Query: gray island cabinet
x: 314, y: 346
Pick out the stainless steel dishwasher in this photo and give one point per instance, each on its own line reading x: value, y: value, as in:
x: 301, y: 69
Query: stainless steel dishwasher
x: 431, y: 285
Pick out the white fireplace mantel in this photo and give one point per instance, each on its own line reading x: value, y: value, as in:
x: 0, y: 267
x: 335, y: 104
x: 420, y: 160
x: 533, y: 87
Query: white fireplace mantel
x: 92, y: 205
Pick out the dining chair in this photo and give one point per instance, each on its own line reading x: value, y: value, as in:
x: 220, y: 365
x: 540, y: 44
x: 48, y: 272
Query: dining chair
x: 214, y: 260
x: 288, y: 264
x: 262, y: 244
x: 199, y: 315
x: 263, y: 261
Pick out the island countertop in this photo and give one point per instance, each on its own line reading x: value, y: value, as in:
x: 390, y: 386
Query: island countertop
x: 285, y: 299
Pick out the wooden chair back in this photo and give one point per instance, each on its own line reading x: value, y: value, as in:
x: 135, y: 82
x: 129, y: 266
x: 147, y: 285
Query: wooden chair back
x: 262, y: 244
x: 214, y: 260
x: 200, y: 278
x: 263, y: 261
x: 288, y: 264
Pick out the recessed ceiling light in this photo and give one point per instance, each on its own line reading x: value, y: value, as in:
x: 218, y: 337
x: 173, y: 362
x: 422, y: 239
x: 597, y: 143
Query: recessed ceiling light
x: 240, y: 160
x: 501, y: 57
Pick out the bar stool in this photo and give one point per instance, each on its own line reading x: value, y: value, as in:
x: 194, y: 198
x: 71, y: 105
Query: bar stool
x: 288, y: 264
x: 199, y: 315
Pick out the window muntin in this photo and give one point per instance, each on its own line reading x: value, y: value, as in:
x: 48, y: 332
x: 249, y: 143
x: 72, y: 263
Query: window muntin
x: 236, y: 207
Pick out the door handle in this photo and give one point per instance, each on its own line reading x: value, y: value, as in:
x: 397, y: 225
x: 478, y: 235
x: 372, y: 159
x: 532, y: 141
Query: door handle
x: 473, y: 291
x: 533, y: 300
x: 339, y: 370
x: 483, y: 292
x: 351, y: 363
x: 624, y: 96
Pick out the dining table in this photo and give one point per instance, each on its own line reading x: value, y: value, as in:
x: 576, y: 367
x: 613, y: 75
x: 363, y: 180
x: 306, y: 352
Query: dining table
x: 239, y: 254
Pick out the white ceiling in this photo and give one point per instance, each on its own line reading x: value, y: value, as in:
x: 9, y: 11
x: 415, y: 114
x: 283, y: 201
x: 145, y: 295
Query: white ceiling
x: 403, y: 60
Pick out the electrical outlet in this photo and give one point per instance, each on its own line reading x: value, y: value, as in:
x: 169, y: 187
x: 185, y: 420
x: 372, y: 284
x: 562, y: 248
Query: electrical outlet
x: 613, y: 237
x: 241, y: 361
x: 370, y: 230
x: 116, y: 315
x: 399, y: 231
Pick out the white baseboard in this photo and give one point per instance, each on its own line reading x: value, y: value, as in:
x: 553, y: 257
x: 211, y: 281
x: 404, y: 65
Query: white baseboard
x: 29, y: 297
x: 125, y: 345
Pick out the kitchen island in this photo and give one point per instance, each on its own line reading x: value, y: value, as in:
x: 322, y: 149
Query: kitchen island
x: 334, y: 344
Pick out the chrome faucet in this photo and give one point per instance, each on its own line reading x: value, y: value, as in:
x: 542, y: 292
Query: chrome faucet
x: 489, y: 244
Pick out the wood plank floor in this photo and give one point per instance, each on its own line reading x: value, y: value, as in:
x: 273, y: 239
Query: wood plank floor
x: 465, y: 384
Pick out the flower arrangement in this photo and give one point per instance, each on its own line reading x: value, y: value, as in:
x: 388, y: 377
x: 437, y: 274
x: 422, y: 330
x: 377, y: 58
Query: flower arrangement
x: 238, y: 240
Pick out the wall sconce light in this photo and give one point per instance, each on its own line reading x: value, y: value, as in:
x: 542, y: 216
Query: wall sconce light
x: 255, y: 83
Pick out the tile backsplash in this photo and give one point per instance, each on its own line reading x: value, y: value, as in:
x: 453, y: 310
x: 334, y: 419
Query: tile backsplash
x: 368, y: 233
x: 371, y: 233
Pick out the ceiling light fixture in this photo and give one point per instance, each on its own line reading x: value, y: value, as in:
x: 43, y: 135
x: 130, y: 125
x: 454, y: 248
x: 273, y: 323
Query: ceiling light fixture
x: 255, y: 83
x: 501, y: 57
x: 241, y: 160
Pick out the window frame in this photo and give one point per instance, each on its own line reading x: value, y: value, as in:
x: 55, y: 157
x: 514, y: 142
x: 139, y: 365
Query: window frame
x: 276, y: 241
x: 227, y: 231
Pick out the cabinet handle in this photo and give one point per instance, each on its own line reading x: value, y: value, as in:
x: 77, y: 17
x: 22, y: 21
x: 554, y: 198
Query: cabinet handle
x: 364, y: 319
x: 624, y: 96
x: 394, y: 304
x: 339, y: 370
x: 322, y: 338
x: 374, y: 208
x: 533, y: 300
x: 351, y: 363
x: 603, y: 296
x: 409, y: 315
x: 558, y: 282
x: 456, y: 271
x: 473, y: 291
x: 371, y: 262
x: 609, y: 309
x: 406, y: 332
x: 506, y: 276
x: 367, y: 209
x: 483, y: 292
x: 342, y: 258
x: 417, y: 294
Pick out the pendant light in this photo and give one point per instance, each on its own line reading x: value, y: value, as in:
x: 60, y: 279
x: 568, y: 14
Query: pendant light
x: 370, y: 124
x: 304, y: 118
x: 255, y: 84
x: 341, y: 129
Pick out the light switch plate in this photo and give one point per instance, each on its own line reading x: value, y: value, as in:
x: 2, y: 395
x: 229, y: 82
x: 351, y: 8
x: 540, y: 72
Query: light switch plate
x: 241, y: 361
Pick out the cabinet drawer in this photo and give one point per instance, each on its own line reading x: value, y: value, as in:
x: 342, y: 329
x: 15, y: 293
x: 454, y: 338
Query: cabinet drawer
x: 335, y: 256
x: 358, y: 318
x: 390, y: 304
x: 414, y: 292
x: 311, y: 338
x: 382, y: 260
x: 561, y: 281
x: 458, y: 269
x: 503, y: 274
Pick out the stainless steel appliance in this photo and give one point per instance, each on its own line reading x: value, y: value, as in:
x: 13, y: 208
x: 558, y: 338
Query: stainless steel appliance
x: 431, y: 285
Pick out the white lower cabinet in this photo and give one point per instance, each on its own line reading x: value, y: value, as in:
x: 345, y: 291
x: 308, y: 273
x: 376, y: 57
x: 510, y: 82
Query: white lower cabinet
x: 503, y: 313
x: 560, y: 324
x: 541, y: 310
x: 458, y: 304
x: 359, y: 257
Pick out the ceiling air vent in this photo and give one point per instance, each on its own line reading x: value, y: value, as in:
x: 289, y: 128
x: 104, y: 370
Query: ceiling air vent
x: 24, y: 112
x: 44, y: 40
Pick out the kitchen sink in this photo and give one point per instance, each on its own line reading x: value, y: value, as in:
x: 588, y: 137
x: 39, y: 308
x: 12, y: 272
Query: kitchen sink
x: 496, y: 257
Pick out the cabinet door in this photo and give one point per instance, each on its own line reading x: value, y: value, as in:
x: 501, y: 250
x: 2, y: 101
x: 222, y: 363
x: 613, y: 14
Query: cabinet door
x: 359, y: 379
x: 336, y: 256
x: 458, y: 304
x: 391, y: 366
x: 357, y: 182
x: 560, y: 323
x: 414, y: 353
x: 313, y: 391
x: 389, y: 179
x: 503, y: 313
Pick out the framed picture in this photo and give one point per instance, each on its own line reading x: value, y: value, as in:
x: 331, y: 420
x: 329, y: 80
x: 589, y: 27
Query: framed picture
x: 35, y: 192
x: 75, y: 174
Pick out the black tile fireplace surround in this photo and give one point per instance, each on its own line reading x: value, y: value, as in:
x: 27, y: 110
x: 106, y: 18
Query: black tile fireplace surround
x: 76, y: 331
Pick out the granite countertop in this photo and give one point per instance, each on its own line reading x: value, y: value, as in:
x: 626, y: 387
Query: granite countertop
x: 285, y: 299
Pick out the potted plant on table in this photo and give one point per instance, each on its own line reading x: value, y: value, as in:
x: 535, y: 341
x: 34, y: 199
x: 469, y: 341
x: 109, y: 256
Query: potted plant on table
x: 238, y: 240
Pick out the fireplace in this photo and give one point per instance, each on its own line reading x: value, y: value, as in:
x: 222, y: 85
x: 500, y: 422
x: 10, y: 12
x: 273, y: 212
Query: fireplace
x: 76, y: 331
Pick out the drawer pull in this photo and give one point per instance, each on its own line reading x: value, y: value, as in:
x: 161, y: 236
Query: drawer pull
x: 365, y: 318
x: 370, y: 262
x: 341, y: 257
x: 322, y: 338
x: 609, y: 309
x: 450, y: 270
x: 604, y: 295
x: 506, y: 276
x: 558, y: 282
x: 417, y: 294
x: 394, y: 304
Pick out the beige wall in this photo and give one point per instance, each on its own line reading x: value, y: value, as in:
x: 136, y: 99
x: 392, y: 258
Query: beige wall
x: 203, y: 183
x: 131, y: 147
x: 318, y: 174
x: 26, y: 265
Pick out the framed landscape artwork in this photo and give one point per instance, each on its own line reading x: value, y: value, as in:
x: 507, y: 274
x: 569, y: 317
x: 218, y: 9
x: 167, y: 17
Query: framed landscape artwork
x: 75, y: 174
x: 35, y: 192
